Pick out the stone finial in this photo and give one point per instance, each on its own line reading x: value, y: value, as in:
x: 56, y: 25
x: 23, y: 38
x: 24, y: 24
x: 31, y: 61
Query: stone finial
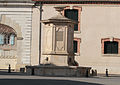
x: 59, y: 9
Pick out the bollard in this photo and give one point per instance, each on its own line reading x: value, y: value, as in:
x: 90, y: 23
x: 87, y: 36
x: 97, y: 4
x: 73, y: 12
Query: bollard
x: 9, y: 69
x: 93, y: 72
x: 106, y: 72
x: 32, y: 73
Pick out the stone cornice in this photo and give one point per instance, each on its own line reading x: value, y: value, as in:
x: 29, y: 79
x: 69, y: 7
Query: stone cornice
x: 71, y: 0
x: 16, y: 3
x: 77, y: 2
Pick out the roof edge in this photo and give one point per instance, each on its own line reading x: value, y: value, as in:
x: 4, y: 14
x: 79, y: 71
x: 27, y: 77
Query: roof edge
x: 70, y: 0
x: 38, y: 2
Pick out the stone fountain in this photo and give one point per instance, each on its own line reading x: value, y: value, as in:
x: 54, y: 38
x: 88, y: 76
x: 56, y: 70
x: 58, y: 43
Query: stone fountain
x: 58, y: 55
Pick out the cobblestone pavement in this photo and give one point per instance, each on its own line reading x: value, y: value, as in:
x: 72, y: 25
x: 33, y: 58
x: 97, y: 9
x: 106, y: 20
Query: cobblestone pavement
x: 23, y: 79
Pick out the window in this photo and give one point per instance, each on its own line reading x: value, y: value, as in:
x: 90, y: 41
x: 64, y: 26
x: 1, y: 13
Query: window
x: 7, y: 35
x: 72, y: 14
x: 110, y: 47
x: 75, y: 45
x: 7, y: 39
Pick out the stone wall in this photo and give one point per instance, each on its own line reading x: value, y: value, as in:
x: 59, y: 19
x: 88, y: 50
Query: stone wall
x: 58, y: 71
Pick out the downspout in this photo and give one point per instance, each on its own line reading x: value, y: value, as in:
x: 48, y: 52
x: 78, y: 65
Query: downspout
x: 40, y: 32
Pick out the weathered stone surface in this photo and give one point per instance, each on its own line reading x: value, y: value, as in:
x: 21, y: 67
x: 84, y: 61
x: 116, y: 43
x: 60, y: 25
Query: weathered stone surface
x: 58, y: 71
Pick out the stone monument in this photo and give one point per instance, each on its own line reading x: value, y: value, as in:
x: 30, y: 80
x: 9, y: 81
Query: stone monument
x: 58, y: 40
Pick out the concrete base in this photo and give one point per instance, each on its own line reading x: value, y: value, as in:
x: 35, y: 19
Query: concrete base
x: 58, y: 71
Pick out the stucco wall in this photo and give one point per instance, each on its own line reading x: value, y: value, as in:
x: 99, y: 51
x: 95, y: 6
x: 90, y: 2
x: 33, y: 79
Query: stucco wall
x: 97, y: 23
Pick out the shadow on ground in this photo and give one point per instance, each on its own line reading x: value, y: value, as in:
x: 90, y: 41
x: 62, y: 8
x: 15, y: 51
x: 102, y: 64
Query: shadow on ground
x: 12, y: 73
x: 42, y: 82
x: 17, y: 81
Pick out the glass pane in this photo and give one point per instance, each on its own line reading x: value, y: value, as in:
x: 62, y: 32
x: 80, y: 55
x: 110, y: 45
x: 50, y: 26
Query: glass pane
x: 12, y: 40
x: 114, y: 46
x: 111, y: 47
x: 75, y: 46
x: 1, y: 39
x: 72, y: 14
x: 107, y: 48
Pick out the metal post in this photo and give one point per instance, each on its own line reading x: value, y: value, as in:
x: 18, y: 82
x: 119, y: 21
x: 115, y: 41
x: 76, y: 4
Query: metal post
x: 9, y: 69
x: 107, y: 73
x: 93, y: 73
x: 40, y: 32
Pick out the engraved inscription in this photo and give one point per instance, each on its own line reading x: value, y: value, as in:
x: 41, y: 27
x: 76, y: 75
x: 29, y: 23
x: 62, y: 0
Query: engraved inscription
x: 59, y: 35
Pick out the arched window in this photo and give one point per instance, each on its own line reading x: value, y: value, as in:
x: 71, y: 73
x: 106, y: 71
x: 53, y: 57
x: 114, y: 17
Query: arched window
x: 1, y: 39
x: 7, y: 35
x: 12, y: 39
x: 110, y: 47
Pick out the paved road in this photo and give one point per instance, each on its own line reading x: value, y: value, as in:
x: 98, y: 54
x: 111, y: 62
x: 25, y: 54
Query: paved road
x: 23, y: 79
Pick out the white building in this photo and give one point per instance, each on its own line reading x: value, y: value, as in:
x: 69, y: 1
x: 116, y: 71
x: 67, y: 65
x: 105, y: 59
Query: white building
x: 17, y: 14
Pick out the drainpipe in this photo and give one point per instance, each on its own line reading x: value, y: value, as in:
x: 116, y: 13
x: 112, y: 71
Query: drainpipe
x: 40, y: 32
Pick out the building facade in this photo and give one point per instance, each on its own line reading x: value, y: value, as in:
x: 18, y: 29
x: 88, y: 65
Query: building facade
x: 96, y: 36
x: 15, y: 47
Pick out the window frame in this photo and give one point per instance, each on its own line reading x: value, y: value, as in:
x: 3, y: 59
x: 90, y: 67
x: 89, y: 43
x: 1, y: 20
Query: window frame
x: 103, y: 40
